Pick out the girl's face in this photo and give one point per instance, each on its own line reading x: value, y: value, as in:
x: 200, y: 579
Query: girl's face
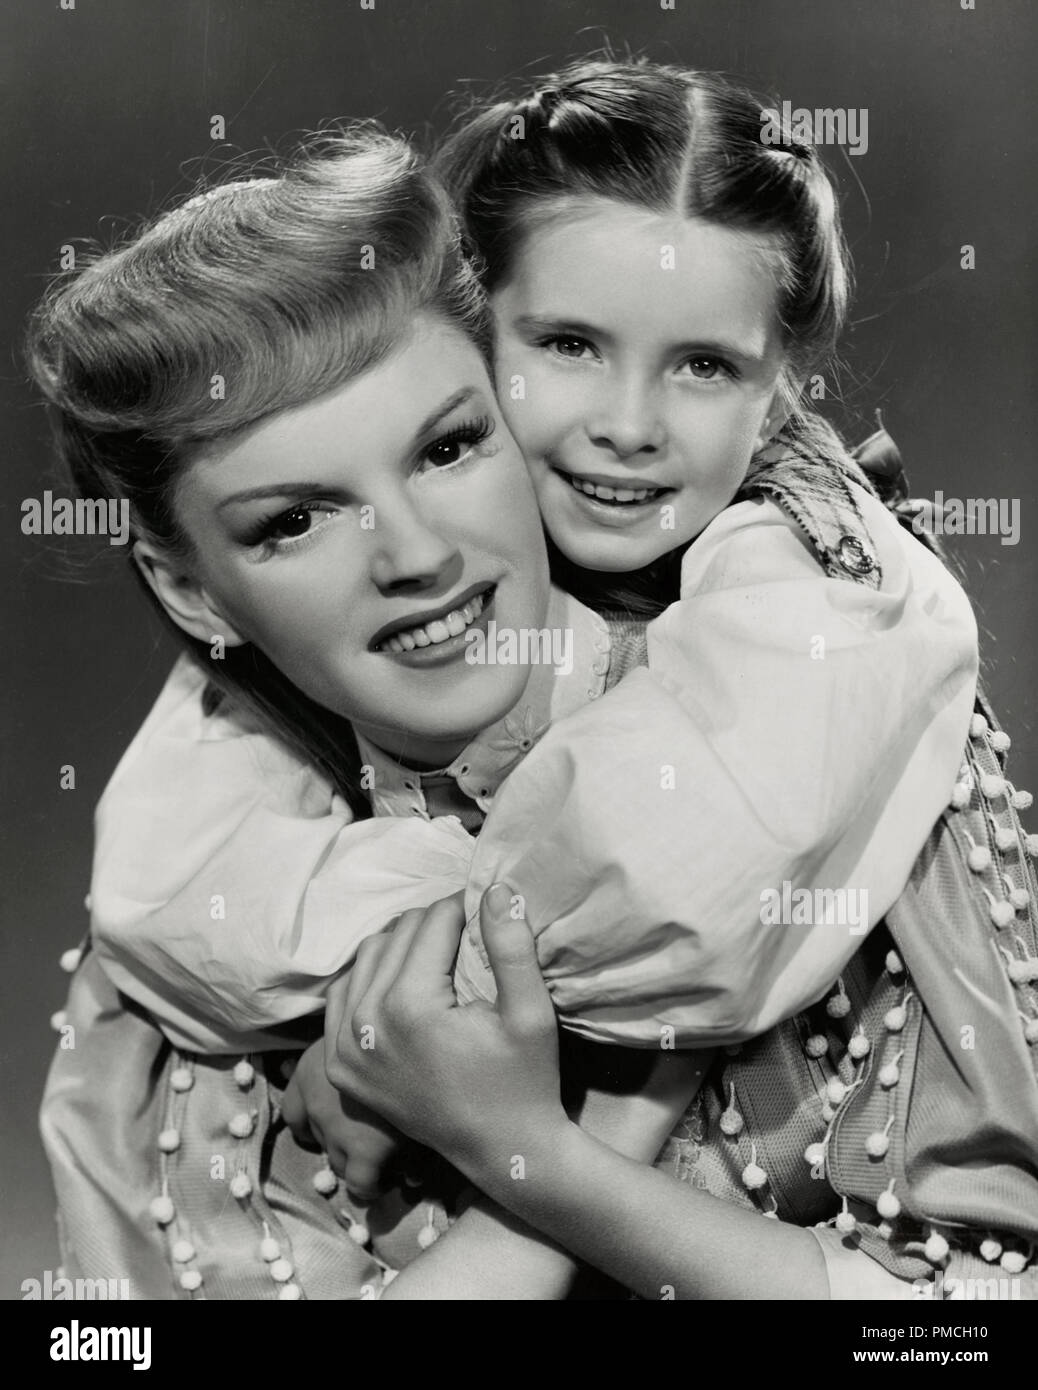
x: 638, y: 358
x: 356, y: 538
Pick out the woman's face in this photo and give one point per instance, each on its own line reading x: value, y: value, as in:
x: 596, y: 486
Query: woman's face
x: 356, y: 538
x: 649, y: 354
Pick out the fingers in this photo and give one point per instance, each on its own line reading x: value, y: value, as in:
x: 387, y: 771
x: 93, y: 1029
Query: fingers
x: 425, y: 974
x: 392, y: 957
x: 346, y: 992
x: 366, y: 962
x: 523, y: 1000
x: 369, y: 1155
x: 293, y: 1112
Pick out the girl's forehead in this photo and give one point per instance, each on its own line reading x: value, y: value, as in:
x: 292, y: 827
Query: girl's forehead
x: 607, y: 261
x: 596, y: 231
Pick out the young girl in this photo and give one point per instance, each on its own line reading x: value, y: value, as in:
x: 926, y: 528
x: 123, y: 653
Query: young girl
x: 848, y: 842
x: 581, y: 199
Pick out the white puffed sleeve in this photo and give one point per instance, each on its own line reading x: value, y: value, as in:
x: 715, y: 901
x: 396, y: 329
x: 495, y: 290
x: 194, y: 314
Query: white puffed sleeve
x: 230, y: 884
x: 792, y: 732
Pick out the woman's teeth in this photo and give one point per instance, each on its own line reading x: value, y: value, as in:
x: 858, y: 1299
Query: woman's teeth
x: 439, y: 630
x: 602, y: 493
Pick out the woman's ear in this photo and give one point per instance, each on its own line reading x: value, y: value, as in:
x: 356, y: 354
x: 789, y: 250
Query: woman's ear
x: 182, y: 596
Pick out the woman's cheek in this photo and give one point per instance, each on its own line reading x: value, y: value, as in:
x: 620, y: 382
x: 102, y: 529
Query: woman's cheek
x: 281, y: 603
x: 501, y: 496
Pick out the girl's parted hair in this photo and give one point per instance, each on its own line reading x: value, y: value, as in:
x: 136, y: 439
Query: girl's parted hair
x: 668, y: 139
x: 256, y: 296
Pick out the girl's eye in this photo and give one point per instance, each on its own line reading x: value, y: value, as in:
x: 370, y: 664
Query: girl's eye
x: 567, y: 345
x: 708, y: 368
x: 457, y: 444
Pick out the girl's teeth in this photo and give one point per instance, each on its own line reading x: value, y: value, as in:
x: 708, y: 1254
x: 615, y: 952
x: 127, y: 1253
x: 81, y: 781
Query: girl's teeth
x: 407, y: 641
x: 603, y: 493
x: 421, y: 637
x: 438, y: 630
x: 455, y: 624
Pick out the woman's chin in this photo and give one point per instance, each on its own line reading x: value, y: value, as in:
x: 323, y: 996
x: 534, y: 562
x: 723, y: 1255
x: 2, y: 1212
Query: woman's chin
x: 460, y: 708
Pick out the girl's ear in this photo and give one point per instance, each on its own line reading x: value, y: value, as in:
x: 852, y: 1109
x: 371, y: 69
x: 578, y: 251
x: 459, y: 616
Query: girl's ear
x: 782, y: 405
x: 182, y: 596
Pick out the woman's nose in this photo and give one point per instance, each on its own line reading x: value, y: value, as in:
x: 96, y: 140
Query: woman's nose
x: 410, y: 553
x: 627, y: 420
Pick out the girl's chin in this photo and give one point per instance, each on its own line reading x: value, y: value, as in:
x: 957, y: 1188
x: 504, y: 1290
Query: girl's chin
x: 608, y: 554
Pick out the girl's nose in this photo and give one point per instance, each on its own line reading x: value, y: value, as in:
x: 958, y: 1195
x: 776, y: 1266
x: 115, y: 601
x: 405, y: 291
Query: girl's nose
x: 410, y: 554
x: 626, y: 419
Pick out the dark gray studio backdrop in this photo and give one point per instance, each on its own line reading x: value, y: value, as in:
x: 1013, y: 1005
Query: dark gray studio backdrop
x: 107, y: 113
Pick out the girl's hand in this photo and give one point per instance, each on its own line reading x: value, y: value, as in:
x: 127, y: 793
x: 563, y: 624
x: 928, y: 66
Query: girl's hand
x: 358, y: 1144
x: 477, y: 1083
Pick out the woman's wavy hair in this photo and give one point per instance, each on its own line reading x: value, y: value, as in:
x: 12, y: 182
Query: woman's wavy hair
x: 257, y: 295
x: 667, y: 139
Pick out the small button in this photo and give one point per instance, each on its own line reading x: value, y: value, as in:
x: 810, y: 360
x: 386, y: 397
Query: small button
x: 852, y: 555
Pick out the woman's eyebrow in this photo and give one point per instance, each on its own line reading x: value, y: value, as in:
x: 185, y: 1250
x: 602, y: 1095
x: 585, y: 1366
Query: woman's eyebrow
x: 442, y: 411
x: 257, y: 494
x: 297, y: 488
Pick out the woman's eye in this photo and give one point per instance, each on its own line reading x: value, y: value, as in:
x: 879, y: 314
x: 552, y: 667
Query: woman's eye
x: 446, y: 452
x: 294, y: 525
x: 455, y: 446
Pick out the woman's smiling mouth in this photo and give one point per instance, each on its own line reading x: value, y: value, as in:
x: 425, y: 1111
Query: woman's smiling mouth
x: 437, y: 633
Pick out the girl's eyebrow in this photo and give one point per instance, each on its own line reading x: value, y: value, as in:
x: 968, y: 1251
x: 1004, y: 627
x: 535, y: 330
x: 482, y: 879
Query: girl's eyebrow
x: 298, y: 488
x: 552, y: 323
x: 561, y: 323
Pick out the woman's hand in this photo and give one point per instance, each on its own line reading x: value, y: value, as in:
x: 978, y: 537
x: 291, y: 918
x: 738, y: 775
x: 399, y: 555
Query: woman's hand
x: 479, y: 1084
x: 359, y: 1145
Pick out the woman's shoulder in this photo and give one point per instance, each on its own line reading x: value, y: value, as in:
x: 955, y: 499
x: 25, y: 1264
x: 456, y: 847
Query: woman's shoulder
x: 184, y: 756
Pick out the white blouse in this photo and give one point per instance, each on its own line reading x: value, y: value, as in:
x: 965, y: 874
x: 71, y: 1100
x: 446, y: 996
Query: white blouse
x: 793, y: 732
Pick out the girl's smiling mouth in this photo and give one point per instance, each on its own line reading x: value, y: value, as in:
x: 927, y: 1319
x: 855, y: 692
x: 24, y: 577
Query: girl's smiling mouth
x: 612, y: 492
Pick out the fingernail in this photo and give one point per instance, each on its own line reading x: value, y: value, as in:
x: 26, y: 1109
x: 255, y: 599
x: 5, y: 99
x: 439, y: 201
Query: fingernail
x: 499, y: 899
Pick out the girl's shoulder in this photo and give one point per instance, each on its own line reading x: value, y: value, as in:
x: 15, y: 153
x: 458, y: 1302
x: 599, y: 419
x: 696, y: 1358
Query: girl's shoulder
x: 807, y: 510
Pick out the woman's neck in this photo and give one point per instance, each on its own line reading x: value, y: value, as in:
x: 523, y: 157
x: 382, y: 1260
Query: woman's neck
x: 417, y: 754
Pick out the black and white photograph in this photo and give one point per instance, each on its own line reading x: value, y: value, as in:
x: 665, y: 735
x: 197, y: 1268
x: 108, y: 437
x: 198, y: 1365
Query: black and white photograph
x: 522, y: 666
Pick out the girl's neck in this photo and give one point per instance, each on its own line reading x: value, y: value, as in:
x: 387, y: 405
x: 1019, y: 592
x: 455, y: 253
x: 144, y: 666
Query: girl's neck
x: 643, y: 593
